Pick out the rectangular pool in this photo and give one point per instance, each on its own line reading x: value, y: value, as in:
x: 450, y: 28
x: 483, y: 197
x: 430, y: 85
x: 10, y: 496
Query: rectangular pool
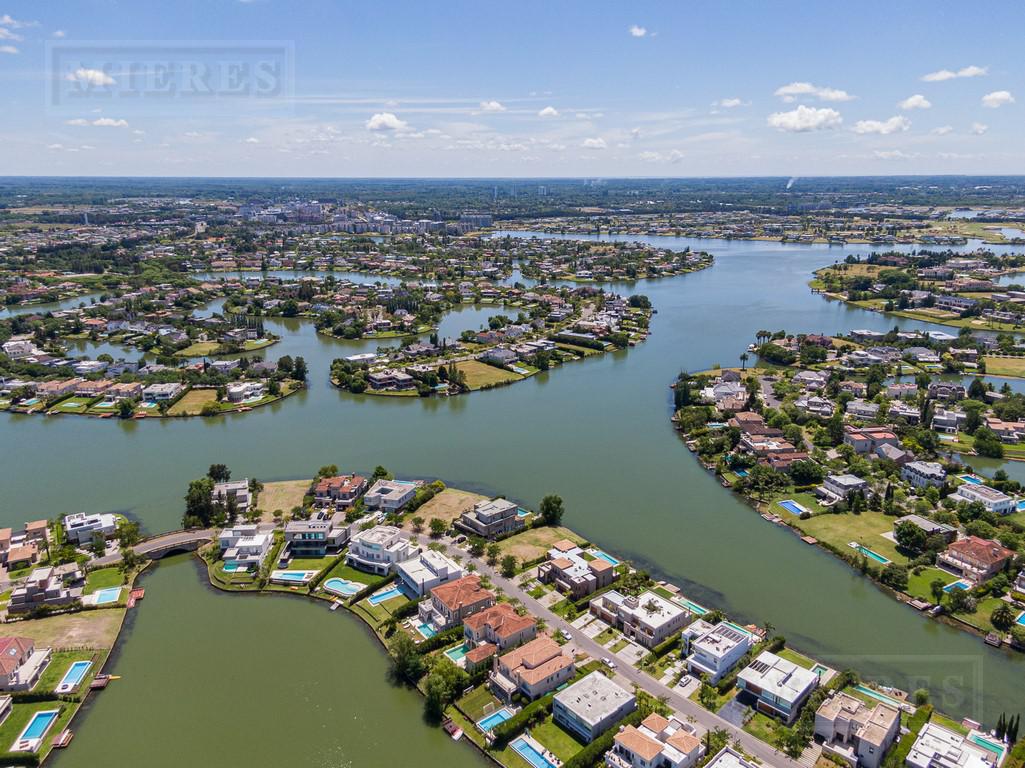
x: 529, y: 752
x: 457, y: 653
x: 73, y: 676
x: 604, y: 556
x: 32, y: 736
x: 291, y: 577
x: 693, y: 607
x: 428, y: 632
x: 1021, y: 619
x: 874, y: 694
x: 792, y: 506
x: 495, y: 718
x: 870, y: 554
x: 108, y: 595
x: 959, y: 584
x: 972, y: 479
x: 380, y: 597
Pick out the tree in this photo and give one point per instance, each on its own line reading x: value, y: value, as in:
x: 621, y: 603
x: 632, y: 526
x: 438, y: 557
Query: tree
x: 219, y: 473
x: 380, y: 473
x: 418, y: 524
x: 285, y: 364
x: 438, y: 527
x: 299, y: 369
x: 961, y: 601
x: 909, y: 536
x: 551, y: 509
x: 744, y: 357
x: 407, y: 663
x: 988, y: 444
x: 895, y: 576
x: 1002, y: 617
x: 198, y: 503
x: 125, y: 409
x: 806, y: 472
x: 98, y: 545
x: 508, y: 566
x: 707, y: 696
x: 936, y: 589
x: 130, y: 560
x: 493, y: 552
x: 477, y: 546
x: 127, y: 533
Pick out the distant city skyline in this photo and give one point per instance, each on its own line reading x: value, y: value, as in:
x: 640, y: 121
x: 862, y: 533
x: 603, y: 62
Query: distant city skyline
x: 267, y: 88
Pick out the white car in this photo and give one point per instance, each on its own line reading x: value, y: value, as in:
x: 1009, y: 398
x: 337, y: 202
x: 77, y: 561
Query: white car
x: 609, y: 663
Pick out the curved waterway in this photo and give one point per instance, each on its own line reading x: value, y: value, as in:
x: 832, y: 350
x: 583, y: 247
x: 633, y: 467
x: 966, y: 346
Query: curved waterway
x: 597, y: 432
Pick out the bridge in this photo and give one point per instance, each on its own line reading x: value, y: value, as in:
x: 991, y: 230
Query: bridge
x: 156, y: 547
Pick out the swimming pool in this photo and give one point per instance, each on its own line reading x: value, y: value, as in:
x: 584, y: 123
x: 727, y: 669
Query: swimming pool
x: 380, y: 597
x: 959, y: 584
x: 529, y: 752
x: 740, y: 472
x: 292, y: 577
x: 1021, y: 506
x: 870, y: 554
x: 604, y: 556
x: 457, y: 653
x: 972, y: 479
x: 988, y: 745
x: 692, y: 606
x: 233, y: 566
x: 521, y: 512
x: 819, y: 670
x: 874, y: 694
x: 426, y: 630
x: 791, y: 506
x: 495, y: 718
x: 32, y: 736
x: 73, y: 676
x: 342, y: 587
x: 108, y: 595
x: 1021, y: 619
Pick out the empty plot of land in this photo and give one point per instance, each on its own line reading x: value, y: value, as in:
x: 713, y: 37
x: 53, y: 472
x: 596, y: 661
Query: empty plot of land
x: 1005, y: 366
x: 283, y: 495
x: 534, y: 542
x: 447, y: 505
x: 88, y: 629
x: 198, y: 349
x: 192, y: 402
x: 480, y: 374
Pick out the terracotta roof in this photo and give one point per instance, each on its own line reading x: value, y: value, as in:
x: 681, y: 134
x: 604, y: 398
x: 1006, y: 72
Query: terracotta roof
x: 600, y: 564
x: 36, y: 525
x: 684, y: 741
x: 339, y: 484
x: 978, y: 550
x: 548, y: 668
x: 501, y: 618
x: 564, y: 545
x: 458, y: 594
x: 481, y: 652
x: 24, y: 552
x: 655, y: 722
x: 535, y: 660
x: 562, y: 563
x: 12, y: 651
x: 639, y: 744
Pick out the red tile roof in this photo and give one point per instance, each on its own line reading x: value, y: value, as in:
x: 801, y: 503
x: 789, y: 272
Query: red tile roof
x: 461, y: 593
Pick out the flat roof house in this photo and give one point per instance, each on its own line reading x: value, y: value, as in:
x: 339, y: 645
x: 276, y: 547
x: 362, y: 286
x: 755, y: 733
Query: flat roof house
x: 451, y: 603
x: 997, y: 502
x: 80, y: 528
x: 20, y: 663
x: 245, y: 544
x: 930, y: 527
x: 390, y: 495
x: 380, y: 549
x: 533, y: 669
x: 156, y: 393
x: 975, y: 558
x: 427, y: 570
x: 855, y: 732
x: 922, y: 474
x: 233, y: 489
x: 938, y: 747
x: 657, y: 741
x: 842, y: 485
x: 717, y: 651
x: 500, y: 626
x: 645, y: 618
x: 571, y: 573
x: 491, y: 519
x: 591, y: 706
x: 779, y: 686
x: 728, y: 757
x: 42, y: 587
x: 323, y: 533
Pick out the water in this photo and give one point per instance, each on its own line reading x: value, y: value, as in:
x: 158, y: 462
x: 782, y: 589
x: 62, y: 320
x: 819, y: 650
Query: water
x: 268, y: 680
x: 596, y: 432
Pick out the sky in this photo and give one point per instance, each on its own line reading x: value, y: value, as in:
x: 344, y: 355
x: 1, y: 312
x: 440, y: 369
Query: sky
x: 501, y: 89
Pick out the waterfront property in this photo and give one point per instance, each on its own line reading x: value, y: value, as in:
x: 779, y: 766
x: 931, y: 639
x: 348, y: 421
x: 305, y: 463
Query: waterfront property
x: 21, y: 663
x: 427, y: 570
x: 339, y: 490
x: 855, y: 732
x: 43, y: 587
x: 324, y: 532
x: 657, y: 741
x: 591, y: 705
x: 233, y: 492
x: 380, y: 549
x: 778, y: 685
x: 573, y: 574
x: 80, y: 528
x: 451, y: 603
x: 533, y: 669
x: 995, y: 502
x: 938, y: 746
x: 975, y: 558
x: 717, y: 650
x: 292, y: 578
x: 646, y: 618
x: 500, y: 626
x: 491, y: 519
x: 390, y: 495
x: 245, y: 546
x: 32, y: 735
x: 73, y: 677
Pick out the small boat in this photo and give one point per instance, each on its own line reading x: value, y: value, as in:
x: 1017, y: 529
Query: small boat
x: 63, y: 739
x: 452, y: 729
x: 99, y: 682
x: 994, y: 639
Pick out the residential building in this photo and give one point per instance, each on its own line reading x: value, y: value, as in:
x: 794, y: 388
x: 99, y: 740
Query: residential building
x: 996, y: 502
x: 657, y: 742
x: 868, y: 439
x: 21, y: 664
x: 717, y: 651
x: 80, y: 528
x: 452, y: 602
x: 857, y: 733
x: 427, y: 570
x: 42, y: 588
x: 156, y: 393
x: 533, y: 669
x: 491, y: 519
x: 324, y: 533
x: 238, y: 391
x: 380, y: 549
x: 500, y: 626
x: 571, y: 573
x: 948, y: 421
x: 922, y: 474
x: 340, y: 490
x: 939, y: 747
x: 728, y: 757
x: 974, y: 558
x: 841, y: 486
x: 862, y: 409
x: 947, y: 390
x: 591, y: 706
x: 245, y: 545
x: 237, y: 490
x: 779, y: 686
x: 646, y: 618
x: 930, y: 527
x: 390, y: 495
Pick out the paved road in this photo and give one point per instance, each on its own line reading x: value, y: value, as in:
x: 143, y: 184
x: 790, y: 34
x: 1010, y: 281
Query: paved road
x: 167, y: 541
x: 628, y: 675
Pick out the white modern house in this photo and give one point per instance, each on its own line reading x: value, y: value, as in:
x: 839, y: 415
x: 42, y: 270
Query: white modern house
x: 389, y: 495
x: 922, y: 474
x: 246, y: 545
x: 938, y: 747
x: 233, y: 489
x: 591, y: 705
x: 646, y: 618
x: 855, y: 732
x: 997, y: 502
x: 80, y: 528
x: 427, y: 570
x: 380, y: 549
x: 779, y: 686
x: 717, y: 651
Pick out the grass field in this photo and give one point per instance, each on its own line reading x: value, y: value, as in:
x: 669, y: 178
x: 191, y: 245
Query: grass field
x: 59, y: 663
x: 101, y: 579
x: 192, y: 402
x: 447, y: 505
x: 1005, y: 366
x: 534, y: 542
x: 22, y: 713
x: 89, y: 629
x: 477, y: 700
x: 480, y: 374
x: 866, y: 529
x: 283, y: 495
x: 559, y: 742
x: 198, y: 349
x: 72, y: 405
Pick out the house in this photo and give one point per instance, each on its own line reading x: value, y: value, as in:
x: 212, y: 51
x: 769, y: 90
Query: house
x: 163, y: 392
x: 390, y: 495
x: 898, y: 456
x: 571, y: 573
x: 947, y: 390
x: 427, y: 570
x: 125, y: 390
x: 80, y: 529
x: 930, y: 527
x: 239, y: 391
x: 939, y: 747
x: 21, y: 664
x: 947, y: 421
x: 591, y: 706
x: 324, y: 533
x: 902, y: 391
x: 657, y: 741
x: 815, y: 406
x: 996, y: 502
x: 340, y: 490
x: 533, y: 669
x: 862, y: 409
x: 922, y: 474
x: 380, y: 549
x: 646, y: 618
x: 717, y: 651
x: 974, y: 558
x: 491, y: 519
x: 841, y: 486
x: 899, y: 410
x: 779, y: 686
x: 21, y: 556
x: 36, y: 530
x: 500, y: 626
x: 451, y: 603
x: 42, y: 588
x: 855, y: 732
x: 233, y: 490
x: 867, y: 439
x: 245, y: 545
x: 728, y: 757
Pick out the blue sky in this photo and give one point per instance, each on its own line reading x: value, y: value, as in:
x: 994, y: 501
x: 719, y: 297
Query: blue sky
x: 510, y: 89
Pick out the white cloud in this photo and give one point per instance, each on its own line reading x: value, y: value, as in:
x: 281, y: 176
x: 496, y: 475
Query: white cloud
x: 997, y: 99
x: 883, y: 127
x: 110, y: 122
x: 979, y: 128
x: 492, y: 106
x: 892, y: 154
x: 250, y: 140
x: 95, y: 77
x: 728, y: 103
x: 78, y: 121
x: 6, y: 34
x: 7, y: 21
x: 918, y: 101
x: 792, y: 91
x: 55, y: 146
x: 386, y: 121
x: 673, y: 156
x: 945, y: 74
x: 594, y: 144
x: 636, y: 31
x: 548, y: 112
x: 942, y: 130
x: 59, y: 33
x: 8, y: 49
x: 804, y: 119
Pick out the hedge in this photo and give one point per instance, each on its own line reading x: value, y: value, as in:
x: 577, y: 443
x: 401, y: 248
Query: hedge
x: 594, y: 753
x: 533, y: 713
x: 440, y: 640
x: 369, y: 589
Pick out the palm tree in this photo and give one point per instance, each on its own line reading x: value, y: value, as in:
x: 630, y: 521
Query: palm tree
x: 744, y: 357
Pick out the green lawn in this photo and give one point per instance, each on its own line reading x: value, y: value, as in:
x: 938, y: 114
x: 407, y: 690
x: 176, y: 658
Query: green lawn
x: 763, y: 727
x: 866, y: 529
x: 347, y: 572
x: 795, y: 657
x: 1004, y: 366
x: 72, y: 405
x: 22, y: 713
x: 607, y: 635
x: 946, y: 722
x: 475, y: 702
x: 558, y: 741
x: 60, y: 661
x: 311, y: 563
x: 918, y: 584
x: 102, y: 578
x: 618, y: 645
x: 806, y: 500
